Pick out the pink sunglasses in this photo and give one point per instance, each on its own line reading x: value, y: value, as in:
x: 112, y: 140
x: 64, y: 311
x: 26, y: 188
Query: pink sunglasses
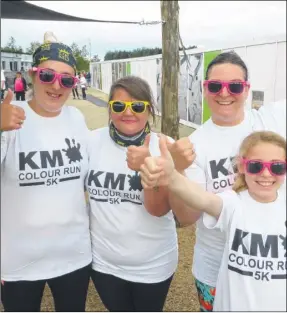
x: 48, y: 76
x: 275, y: 168
x: 233, y: 87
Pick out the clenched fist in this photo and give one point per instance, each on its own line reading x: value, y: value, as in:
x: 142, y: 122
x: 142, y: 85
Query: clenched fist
x: 137, y: 155
x: 182, y: 153
x: 12, y: 116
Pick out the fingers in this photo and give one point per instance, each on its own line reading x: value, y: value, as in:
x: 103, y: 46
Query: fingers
x: 150, y: 171
x: 9, y: 97
x: 147, y: 141
x: 163, y: 146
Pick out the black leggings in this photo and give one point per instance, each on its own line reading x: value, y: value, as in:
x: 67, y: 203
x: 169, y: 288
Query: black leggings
x: 69, y: 292
x: 84, y: 93
x: 20, y: 95
x: 119, y: 295
x: 75, y: 92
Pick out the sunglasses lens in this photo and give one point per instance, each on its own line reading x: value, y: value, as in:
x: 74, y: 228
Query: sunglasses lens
x: 138, y: 107
x: 254, y: 167
x: 118, y: 106
x: 278, y: 168
x: 46, y: 76
x: 236, y: 87
x: 214, y: 87
x: 67, y: 81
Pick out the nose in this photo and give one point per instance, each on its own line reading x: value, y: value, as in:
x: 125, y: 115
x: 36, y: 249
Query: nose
x: 56, y: 84
x: 128, y: 111
x: 266, y: 172
x: 224, y: 92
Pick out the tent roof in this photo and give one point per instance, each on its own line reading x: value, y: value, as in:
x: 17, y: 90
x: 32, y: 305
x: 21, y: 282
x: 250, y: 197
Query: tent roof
x: 23, y: 10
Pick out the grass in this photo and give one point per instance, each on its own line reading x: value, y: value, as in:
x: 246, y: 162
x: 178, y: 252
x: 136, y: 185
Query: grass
x: 182, y: 294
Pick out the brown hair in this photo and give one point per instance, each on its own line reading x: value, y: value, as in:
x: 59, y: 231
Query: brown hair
x: 136, y: 87
x: 248, y: 143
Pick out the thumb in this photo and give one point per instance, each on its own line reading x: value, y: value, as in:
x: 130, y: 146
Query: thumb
x: 163, y: 147
x: 9, y: 97
x: 168, y: 143
x: 147, y: 141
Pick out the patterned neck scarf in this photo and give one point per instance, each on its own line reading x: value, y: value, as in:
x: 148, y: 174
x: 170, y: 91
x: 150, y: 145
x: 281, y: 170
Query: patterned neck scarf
x: 125, y: 141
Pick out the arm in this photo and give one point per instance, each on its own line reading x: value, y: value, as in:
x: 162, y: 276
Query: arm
x: 185, y: 214
x: 156, y: 201
x: 194, y: 195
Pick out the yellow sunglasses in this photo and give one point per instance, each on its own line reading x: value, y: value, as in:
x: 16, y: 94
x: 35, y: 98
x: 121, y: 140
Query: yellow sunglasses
x: 137, y: 107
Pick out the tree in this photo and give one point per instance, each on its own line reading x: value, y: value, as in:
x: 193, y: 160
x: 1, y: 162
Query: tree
x: 84, y: 52
x: 82, y: 64
x: 33, y: 46
x: 170, y: 68
x: 11, y: 46
x: 95, y: 58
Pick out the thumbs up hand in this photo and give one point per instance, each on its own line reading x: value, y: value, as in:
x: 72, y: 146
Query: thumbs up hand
x: 182, y: 153
x: 157, y: 171
x: 12, y: 116
x: 137, y: 155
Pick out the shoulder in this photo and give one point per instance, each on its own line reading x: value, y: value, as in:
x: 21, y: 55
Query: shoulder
x: 229, y: 195
x: 100, y: 133
x: 202, y: 132
x: 72, y: 111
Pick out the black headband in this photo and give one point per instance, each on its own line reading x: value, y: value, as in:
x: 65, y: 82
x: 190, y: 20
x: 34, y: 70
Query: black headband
x: 54, y: 51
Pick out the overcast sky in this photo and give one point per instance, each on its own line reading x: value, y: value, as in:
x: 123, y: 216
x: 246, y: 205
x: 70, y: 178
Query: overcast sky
x: 211, y: 24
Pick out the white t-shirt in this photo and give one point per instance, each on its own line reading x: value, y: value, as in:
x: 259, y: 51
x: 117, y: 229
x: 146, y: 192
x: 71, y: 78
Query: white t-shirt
x: 127, y: 241
x: 44, y: 217
x: 215, y: 147
x: 83, y: 82
x: 252, y: 275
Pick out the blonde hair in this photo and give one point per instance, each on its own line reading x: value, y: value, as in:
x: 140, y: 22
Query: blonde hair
x: 248, y: 143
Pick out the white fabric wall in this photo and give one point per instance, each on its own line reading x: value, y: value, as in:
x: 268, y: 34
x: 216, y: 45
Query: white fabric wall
x: 106, y: 77
x: 146, y: 69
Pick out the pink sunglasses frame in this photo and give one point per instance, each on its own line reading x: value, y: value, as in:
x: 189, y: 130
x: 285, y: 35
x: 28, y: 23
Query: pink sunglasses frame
x: 226, y: 84
x: 57, y: 76
x: 265, y: 165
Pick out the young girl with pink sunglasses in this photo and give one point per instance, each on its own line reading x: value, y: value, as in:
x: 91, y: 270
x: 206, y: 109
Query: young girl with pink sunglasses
x: 252, y: 217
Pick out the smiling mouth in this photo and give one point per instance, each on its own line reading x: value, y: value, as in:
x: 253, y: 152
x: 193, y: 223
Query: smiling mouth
x: 225, y: 103
x: 53, y: 95
x: 265, y: 183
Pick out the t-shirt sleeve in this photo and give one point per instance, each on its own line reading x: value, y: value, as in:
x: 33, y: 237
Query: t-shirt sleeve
x: 196, y: 173
x: 229, y: 202
x: 6, y: 138
x: 273, y: 116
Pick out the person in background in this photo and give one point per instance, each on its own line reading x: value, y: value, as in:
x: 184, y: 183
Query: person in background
x: 252, y: 218
x: 45, y: 236
x: 3, y: 84
x: 20, y: 87
x: 75, y: 88
x: 83, y: 84
x: 88, y: 78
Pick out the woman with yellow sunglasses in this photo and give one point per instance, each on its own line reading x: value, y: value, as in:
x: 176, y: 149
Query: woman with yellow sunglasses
x: 135, y: 253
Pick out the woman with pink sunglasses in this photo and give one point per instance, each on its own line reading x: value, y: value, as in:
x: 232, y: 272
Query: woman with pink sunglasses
x: 44, y: 161
x: 216, y: 143
x: 251, y: 217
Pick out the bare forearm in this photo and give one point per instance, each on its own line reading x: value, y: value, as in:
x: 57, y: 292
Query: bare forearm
x: 194, y: 196
x: 185, y: 214
x: 156, y: 201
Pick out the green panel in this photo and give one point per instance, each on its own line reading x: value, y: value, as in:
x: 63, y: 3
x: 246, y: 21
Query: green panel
x: 208, y: 57
x: 128, y: 68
